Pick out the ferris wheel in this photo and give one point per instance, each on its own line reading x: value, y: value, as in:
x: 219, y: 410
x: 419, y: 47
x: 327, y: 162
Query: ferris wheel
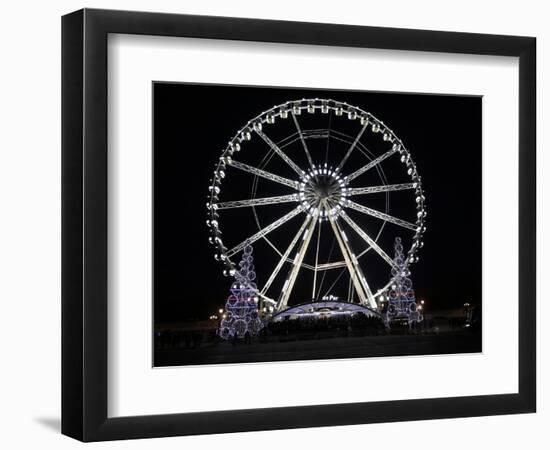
x: 312, y: 181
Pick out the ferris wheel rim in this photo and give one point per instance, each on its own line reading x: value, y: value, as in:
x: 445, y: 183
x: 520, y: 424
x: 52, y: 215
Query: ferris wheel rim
x: 311, y: 105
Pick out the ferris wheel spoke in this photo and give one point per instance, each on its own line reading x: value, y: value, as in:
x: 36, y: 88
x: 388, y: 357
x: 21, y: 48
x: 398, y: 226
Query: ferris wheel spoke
x: 284, y: 256
x: 264, y: 231
x: 287, y: 140
x: 358, y: 279
x: 279, y: 152
x: 351, y: 148
x: 375, y: 189
x: 372, y: 164
x: 381, y: 215
x: 367, y: 239
x: 258, y: 201
x: 297, y: 263
x: 331, y: 265
x: 308, y: 155
x: 264, y: 174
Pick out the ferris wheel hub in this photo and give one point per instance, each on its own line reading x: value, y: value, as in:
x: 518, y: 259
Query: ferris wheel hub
x: 322, y: 192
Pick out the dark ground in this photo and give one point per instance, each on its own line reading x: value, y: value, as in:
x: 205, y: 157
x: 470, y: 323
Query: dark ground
x: 293, y: 349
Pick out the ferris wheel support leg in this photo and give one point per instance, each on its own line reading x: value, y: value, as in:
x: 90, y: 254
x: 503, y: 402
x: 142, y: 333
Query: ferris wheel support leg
x: 284, y: 257
x: 351, y: 269
x: 363, y: 291
x: 316, y: 263
x: 289, y: 283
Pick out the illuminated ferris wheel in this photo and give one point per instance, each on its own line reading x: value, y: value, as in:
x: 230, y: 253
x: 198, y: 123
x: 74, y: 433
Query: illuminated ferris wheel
x: 312, y: 180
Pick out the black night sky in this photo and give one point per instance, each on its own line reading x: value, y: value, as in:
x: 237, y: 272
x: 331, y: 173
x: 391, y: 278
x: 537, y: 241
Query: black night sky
x: 192, y: 125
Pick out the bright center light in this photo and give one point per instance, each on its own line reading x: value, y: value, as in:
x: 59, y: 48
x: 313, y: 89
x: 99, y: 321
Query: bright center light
x: 322, y: 190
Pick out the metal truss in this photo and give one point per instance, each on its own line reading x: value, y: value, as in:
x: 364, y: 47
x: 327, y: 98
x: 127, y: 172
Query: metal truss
x: 264, y: 231
x: 258, y: 201
x: 381, y: 215
x: 384, y: 188
x: 372, y: 164
x: 306, y: 150
x: 358, y: 279
x: 289, y: 283
x: 371, y: 242
x: 279, y: 152
x: 264, y: 174
x: 352, y: 146
x: 284, y: 257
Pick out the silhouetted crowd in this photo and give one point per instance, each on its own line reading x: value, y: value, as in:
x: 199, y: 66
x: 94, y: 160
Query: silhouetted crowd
x: 174, y: 339
x: 308, y: 327
x: 340, y: 325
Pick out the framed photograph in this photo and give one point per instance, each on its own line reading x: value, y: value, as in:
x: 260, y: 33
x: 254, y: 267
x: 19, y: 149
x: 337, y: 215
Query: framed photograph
x: 316, y: 213
x: 274, y: 225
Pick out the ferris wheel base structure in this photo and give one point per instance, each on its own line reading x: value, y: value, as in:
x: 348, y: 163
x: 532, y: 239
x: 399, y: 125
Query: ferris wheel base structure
x: 320, y: 309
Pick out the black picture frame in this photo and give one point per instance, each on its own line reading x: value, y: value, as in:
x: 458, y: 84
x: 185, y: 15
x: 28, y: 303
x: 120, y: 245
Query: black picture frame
x: 84, y: 224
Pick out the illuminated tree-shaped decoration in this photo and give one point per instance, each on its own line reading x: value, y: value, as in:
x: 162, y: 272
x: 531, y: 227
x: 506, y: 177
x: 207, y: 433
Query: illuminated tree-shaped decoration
x: 401, y: 298
x: 241, y: 308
